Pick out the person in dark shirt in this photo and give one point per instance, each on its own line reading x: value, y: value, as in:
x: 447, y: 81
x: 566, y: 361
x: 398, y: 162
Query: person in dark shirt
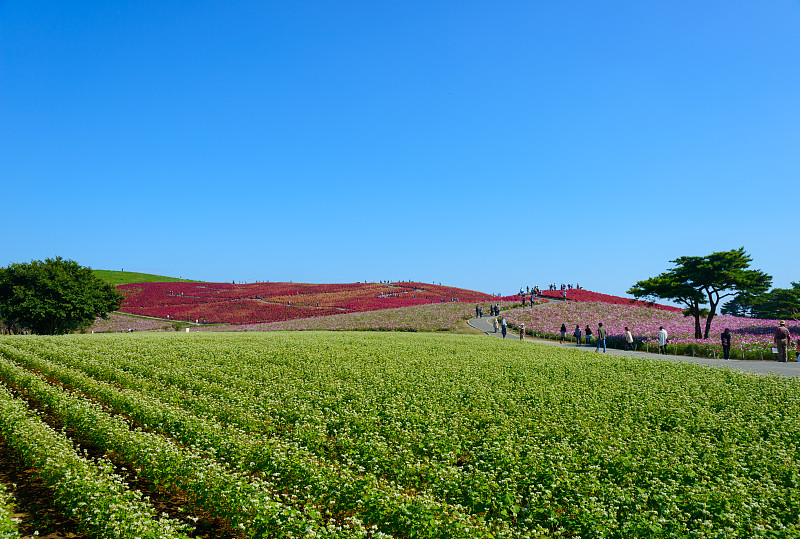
x: 782, y: 338
x: 726, y: 343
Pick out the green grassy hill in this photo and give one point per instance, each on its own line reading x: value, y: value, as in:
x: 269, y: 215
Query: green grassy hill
x: 126, y: 277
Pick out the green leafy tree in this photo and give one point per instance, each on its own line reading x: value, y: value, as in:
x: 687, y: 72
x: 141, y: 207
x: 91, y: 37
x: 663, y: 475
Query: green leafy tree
x: 777, y: 303
x: 670, y: 286
x: 53, y: 297
x: 701, y: 280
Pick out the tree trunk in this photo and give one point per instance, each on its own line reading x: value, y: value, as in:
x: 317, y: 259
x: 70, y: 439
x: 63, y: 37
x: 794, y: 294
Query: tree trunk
x: 712, y: 311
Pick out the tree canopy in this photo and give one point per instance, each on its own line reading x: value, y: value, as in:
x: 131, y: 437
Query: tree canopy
x: 53, y: 297
x: 705, y: 280
x: 777, y: 303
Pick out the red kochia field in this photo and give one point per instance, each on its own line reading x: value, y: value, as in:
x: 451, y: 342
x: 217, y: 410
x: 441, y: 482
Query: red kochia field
x: 267, y: 302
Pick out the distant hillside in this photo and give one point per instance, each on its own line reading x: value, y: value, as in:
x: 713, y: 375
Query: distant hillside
x: 271, y: 302
x: 128, y: 277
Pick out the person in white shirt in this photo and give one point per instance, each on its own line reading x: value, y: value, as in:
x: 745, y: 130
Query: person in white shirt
x: 663, y: 338
x: 628, y: 339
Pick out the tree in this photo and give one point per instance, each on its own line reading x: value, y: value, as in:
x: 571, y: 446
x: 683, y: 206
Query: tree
x: 777, y: 303
x: 54, y: 297
x: 669, y: 286
x: 700, y: 280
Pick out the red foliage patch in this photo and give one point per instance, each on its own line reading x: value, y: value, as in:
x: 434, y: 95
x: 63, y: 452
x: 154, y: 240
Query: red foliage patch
x: 269, y: 302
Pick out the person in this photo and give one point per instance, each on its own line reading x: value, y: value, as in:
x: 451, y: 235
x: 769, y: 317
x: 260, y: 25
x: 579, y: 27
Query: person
x: 577, y: 334
x: 601, y: 337
x: 588, y: 333
x: 726, y: 343
x: 797, y: 352
x: 494, y: 324
x: 522, y: 332
x: 663, y: 339
x: 782, y: 338
x: 477, y: 311
x: 628, y: 339
x: 503, y: 327
x: 563, y: 333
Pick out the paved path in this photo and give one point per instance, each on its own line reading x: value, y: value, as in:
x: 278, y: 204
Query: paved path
x: 790, y: 369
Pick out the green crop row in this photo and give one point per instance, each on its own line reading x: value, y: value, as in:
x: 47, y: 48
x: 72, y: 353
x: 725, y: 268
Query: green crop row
x: 8, y: 527
x: 305, y: 477
x: 369, y: 448
x: 89, y: 490
x: 245, y: 503
x: 520, y: 438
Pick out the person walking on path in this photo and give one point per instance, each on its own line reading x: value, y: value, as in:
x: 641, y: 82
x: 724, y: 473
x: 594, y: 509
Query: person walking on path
x: 628, y: 340
x: 782, y: 338
x: 522, y: 332
x: 494, y: 324
x: 663, y: 339
x: 577, y: 334
x: 563, y: 333
x: 503, y: 327
x: 601, y: 337
x: 726, y: 343
x: 588, y: 332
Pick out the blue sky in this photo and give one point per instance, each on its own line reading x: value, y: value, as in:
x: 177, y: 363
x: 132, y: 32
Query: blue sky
x: 485, y: 145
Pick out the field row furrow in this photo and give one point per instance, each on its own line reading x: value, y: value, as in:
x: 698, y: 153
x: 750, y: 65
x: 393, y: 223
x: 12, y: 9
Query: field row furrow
x: 245, y: 503
x: 89, y: 490
x: 404, y: 462
x: 303, y: 476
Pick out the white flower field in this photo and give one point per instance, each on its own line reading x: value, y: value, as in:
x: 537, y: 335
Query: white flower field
x: 407, y: 435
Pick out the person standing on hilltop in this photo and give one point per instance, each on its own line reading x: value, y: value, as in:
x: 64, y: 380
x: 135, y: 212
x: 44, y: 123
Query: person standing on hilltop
x: 782, y: 338
x: 663, y: 339
x: 601, y: 337
x: 726, y: 343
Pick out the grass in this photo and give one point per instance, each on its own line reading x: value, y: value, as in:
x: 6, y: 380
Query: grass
x: 128, y: 277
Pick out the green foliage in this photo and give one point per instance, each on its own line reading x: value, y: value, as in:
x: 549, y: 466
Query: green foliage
x: 8, y: 527
x: 129, y: 277
x: 428, y: 436
x: 700, y: 280
x: 53, y: 297
x: 776, y: 304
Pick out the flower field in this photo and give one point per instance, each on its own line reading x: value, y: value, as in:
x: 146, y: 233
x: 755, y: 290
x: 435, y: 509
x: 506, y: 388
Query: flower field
x: 269, y: 302
x: 751, y: 337
x: 430, y: 317
x: 116, y: 323
x: 587, y: 295
x: 348, y: 434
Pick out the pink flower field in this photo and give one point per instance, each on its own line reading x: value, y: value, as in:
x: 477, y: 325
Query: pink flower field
x: 430, y: 317
x: 752, y: 335
x: 119, y: 322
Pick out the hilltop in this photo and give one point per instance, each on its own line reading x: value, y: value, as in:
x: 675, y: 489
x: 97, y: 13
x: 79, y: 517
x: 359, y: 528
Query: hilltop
x: 128, y: 277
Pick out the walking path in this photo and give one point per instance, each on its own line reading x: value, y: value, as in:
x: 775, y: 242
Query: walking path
x: 789, y: 369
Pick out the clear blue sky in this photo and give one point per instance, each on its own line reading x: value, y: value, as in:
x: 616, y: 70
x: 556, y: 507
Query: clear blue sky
x: 486, y: 145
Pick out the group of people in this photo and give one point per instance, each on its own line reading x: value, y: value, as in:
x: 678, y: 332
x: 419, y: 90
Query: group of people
x: 585, y: 335
x: 567, y: 286
x: 503, y: 326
